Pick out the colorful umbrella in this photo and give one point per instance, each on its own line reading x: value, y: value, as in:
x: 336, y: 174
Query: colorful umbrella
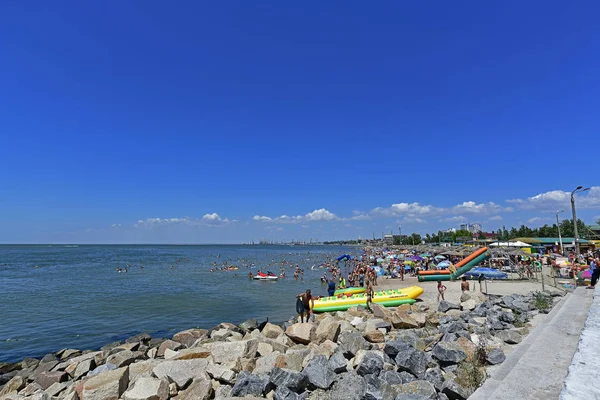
x: 584, y: 275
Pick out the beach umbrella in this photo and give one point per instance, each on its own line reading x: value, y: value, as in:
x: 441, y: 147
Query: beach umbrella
x: 417, y: 258
x: 439, y: 257
x: 444, y: 264
x: 425, y: 255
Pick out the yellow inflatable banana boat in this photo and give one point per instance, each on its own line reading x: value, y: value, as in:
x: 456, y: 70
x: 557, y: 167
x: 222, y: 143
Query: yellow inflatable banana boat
x: 386, y: 298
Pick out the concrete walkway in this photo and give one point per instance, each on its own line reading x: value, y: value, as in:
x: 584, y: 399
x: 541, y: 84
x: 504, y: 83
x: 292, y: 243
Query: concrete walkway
x: 582, y: 382
x: 538, y: 366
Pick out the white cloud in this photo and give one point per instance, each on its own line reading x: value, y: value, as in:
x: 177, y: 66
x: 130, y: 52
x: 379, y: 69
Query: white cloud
x: 320, y: 215
x: 470, y: 207
x: 495, y: 218
x: 556, y: 199
x: 261, y: 218
x: 115, y: 226
x: 207, y: 220
x: 457, y: 218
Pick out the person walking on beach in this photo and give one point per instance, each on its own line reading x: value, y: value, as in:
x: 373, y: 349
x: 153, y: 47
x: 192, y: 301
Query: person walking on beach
x: 441, y: 289
x: 402, y: 268
x: 464, y: 285
x: 306, y: 302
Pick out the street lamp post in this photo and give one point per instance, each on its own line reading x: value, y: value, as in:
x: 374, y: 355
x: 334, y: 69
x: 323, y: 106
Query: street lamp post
x: 578, y: 189
x: 562, y: 251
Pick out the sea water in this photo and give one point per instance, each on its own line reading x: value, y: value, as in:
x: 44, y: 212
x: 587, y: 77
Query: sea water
x: 76, y: 298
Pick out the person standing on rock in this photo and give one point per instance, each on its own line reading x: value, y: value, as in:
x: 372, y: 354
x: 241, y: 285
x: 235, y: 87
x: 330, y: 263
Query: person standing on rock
x: 307, y: 302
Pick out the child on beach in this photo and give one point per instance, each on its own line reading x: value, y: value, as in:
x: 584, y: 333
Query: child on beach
x: 441, y: 289
x: 464, y: 285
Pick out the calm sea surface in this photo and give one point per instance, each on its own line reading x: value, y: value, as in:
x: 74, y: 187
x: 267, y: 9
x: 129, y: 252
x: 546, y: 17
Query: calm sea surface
x: 77, y: 299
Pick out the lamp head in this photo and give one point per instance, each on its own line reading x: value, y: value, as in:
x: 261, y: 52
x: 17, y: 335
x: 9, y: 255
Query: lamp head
x: 585, y: 189
x: 579, y: 187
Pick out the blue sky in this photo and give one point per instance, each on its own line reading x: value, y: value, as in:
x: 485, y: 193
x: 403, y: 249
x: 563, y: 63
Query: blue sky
x: 207, y: 122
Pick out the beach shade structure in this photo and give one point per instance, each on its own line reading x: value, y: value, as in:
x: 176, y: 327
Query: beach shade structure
x: 439, y: 257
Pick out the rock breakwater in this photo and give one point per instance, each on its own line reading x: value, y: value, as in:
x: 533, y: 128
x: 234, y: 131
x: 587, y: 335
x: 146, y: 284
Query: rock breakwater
x: 409, y: 352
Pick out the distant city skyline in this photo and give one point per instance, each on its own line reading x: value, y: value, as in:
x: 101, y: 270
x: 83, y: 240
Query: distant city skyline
x: 211, y: 122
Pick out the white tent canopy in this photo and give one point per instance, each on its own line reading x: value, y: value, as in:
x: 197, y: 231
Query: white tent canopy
x: 510, y: 244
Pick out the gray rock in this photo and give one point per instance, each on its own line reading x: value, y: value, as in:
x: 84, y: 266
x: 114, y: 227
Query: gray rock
x: 14, y: 385
x: 230, y: 352
x: 48, y: 358
x: 83, y: 368
x: 453, y: 327
x: 101, y: 369
x: 413, y: 361
x: 422, y: 388
x: 124, y: 358
x: 319, y: 373
x: 392, y: 348
x: 371, y: 363
x: 449, y: 352
x: 222, y: 392
x: 249, y: 325
x: 377, y: 389
x: 182, y: 372
x: 47, y: 378
x: 56, y: 388
x: 507, y: 317
x: 250, y: 385
x: 509, y: 336
x: 349, y: 386
x: 283, y: 393
x: 412, y: 397
x: 139, y: 338
x: 265, y: 364
x: 147, y: 388
x: 68, y: 353
x: 221, y: 373
x: 435, y: 376
x: 444, y: 306
x: 168, y: 344
x: 109, y: 385
x: 495, y: 356
x: 328, y: 329
x: 201, y: 389
x: 29, y: 363
x: 454, y: 391
x: 189, y: 336
x: 397, y: 378
x: 293, y: 380
x: 351, y: 343
x: 337, y: 362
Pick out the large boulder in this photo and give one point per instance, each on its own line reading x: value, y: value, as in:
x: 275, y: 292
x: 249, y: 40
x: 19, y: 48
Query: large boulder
x: 142, y: 368
x: 250, y: 385
x: 396, y: 378
x: 403, y: 320
x: 230, y: 352
x: 13, y: 386
x: 454, y: 391
x: 337, y: 362
x: 352, y: 342
x: 182, y: 372
x: 190, y: 354
x: 468, y: 305
x: 221, y: 373
x: 190, y: 336
x: 265, y: 364
x: 495, y: 356
x: 421, y: 388
x: 445, y: 305
x: 168, y: 344
x: 294, y: 358
x: 283, y: 393
x: 147, y: 388
x: 293, y: 380
x: 477, y: 297
x: 47, y: 378
x: 328, y: 329
x: 109, y: 385
x: 509, y: 336
x: 271, y: 331
x: 83, y: 367
x: 249, y: 325
x: 349, y: 386
x: 378, y: 389
x: 435, y: 376
x: 393, y: 347
x: 468, y: 347
x: 371, y: 363
x: 413, y: 361
x: 319, y: 373
x: 301, y: 332
x: 199, y: 389
x: 449, y: 353
x: 124, y: 358
x: 375, y: 336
